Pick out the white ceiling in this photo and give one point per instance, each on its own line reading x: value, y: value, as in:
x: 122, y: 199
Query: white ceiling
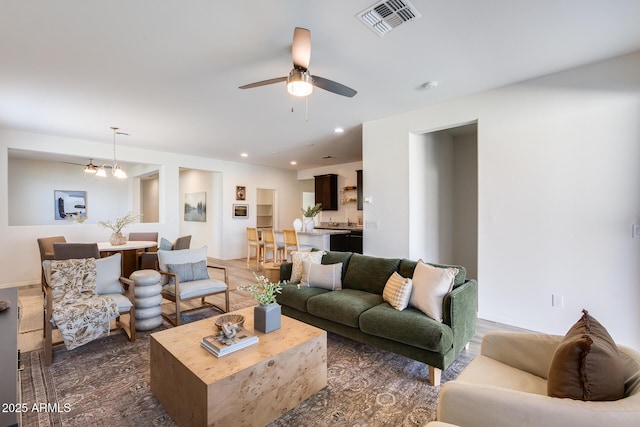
x: 167, y: 71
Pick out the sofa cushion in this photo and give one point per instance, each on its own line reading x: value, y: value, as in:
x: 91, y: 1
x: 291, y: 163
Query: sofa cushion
x: 196, y: 288
x: 334, y: 257
x: 407, y: 267
x: 181, y: 256
x: 430, y: 285
x: 321, y: 276
x: 409, y: 326
x: 189, y: 271
x: 108, y: 275
x: 294, y: 297
x: 342, y: 307
x: 165, y: 245
x: 298, y: 257
x: 397, y: 291
x: 586, y: 364
x: 124, y: 304
x: 369, y: 274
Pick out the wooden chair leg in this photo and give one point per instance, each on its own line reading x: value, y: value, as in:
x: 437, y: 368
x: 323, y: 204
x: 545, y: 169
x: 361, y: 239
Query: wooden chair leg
x: 434, y: 376
x: 48, y: 344
x: 177, y: 312
x: 226, y: 300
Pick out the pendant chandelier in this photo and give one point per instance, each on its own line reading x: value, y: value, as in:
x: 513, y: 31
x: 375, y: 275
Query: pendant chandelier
x: 116, y: 170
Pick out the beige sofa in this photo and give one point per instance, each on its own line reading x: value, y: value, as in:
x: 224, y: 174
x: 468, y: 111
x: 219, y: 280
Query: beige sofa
x: 506, y: 386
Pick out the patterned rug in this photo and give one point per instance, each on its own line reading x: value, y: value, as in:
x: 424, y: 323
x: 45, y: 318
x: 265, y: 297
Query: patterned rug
x: 106, y: 383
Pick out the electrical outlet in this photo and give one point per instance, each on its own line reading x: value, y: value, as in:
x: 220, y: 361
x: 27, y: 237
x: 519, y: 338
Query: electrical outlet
x: 372, y: 224
x: 557, y: 301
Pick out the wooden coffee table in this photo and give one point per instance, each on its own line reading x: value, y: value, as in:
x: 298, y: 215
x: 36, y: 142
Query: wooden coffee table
x: 252, y: 386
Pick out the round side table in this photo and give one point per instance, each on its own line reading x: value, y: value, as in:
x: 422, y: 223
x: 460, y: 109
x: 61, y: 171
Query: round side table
x: 147, y: 299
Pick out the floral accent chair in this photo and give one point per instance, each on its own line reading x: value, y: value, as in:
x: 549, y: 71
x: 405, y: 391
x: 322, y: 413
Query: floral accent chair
x: 82, y: 296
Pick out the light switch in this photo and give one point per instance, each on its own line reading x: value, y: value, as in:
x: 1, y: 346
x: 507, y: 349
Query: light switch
x: 635, y: 231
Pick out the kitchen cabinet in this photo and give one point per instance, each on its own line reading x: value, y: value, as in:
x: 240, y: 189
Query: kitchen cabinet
x: 351, y: 242
x: 326, y: 189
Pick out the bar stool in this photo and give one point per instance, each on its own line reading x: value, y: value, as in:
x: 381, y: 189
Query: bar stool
x: 253, y: 243
x: 270, y: 244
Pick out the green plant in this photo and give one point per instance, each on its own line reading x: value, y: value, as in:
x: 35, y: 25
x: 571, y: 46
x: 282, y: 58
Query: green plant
x: 263, y: 291
x: 311, y: 211
x: 120, y: 223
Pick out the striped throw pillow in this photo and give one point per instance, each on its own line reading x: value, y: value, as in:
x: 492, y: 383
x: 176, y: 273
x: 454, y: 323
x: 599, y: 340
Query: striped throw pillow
x: 397, y: 291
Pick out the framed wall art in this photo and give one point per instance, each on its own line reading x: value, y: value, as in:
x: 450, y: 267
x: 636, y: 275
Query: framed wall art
x: 195, y: 207
x: 240, y: 211
x: 241, y: 192
x: 68, y: 204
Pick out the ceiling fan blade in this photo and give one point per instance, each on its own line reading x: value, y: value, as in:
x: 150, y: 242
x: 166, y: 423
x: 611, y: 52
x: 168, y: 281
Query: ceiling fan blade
x: 334, y: 87
x: 301, y: 48
x: 264, y: 83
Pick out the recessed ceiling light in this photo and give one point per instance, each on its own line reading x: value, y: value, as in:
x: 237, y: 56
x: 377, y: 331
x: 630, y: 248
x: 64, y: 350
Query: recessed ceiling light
x: 339, y: 130
x: 293, y: 162
x: 244, y: 154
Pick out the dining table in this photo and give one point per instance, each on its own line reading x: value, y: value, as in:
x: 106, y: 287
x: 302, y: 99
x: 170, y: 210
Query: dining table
x: 129, y: 252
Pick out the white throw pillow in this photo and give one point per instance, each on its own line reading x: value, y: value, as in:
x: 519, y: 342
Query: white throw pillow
x: 321, y: 276
x: 108, y: 275
x: 182, y: 256
x: 298, y: 257
x: 397, y: 291
x: 430, y: 285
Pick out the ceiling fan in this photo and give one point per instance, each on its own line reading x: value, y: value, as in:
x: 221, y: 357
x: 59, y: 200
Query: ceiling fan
x: 300, y: 82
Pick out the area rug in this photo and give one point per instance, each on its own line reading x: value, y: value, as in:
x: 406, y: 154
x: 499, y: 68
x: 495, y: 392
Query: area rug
x: 106, y: 383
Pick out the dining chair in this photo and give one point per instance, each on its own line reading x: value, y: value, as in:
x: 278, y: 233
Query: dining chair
x: 291, y: 243
x: 183, y: 242
x: 147, y: 236
x: 271, y: 245
x: 75, y: 251
x: 254, y: 244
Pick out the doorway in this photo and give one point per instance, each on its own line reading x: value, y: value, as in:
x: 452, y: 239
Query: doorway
x: 265, y: 208
x: 443, y: 200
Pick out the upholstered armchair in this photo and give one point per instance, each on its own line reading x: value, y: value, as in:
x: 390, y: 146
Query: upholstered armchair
x: 506, y: 385
x: 185, y: 276
x: 65, y: 277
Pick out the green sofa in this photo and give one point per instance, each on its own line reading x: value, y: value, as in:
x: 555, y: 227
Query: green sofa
x: 359, y: 312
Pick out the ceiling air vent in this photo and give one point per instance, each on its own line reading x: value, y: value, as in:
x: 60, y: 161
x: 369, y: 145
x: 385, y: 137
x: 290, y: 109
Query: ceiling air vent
x: 384, y: 16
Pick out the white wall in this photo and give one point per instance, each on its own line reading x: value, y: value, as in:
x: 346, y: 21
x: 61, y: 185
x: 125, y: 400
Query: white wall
x: 558, y: 191
x: 19, y: 257
x: 465, y: 202
x: 202, y: 233
x: 431, y: 197
x: 32, y: 184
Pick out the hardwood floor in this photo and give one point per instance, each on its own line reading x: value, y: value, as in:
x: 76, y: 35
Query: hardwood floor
x: 30, y: 335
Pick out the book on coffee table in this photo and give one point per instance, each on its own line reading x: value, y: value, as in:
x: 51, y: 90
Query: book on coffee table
x: 219, y: 346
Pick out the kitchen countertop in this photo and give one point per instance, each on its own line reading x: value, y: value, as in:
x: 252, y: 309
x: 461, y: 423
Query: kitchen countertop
x: 321, y: 232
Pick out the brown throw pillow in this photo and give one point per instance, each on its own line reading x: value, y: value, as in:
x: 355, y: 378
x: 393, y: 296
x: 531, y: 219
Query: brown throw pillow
x: 586, y: 364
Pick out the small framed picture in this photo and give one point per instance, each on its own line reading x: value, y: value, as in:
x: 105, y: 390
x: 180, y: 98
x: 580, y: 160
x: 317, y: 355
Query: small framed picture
x: 241, y: 192
x: 240, y: 211
x: 69, y: 204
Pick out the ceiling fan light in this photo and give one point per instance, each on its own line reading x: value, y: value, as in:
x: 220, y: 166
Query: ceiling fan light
x: 299, y: 83
x: 90, y: 168
x: 101, y: 172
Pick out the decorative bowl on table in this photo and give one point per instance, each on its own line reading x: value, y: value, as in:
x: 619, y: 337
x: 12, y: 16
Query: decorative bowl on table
x: 236, y: 319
